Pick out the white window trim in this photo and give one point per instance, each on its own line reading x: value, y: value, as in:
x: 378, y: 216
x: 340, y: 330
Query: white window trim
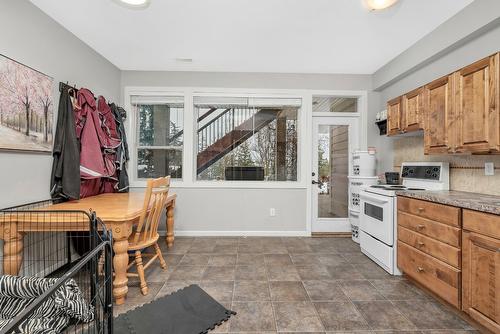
x: 304, y: 154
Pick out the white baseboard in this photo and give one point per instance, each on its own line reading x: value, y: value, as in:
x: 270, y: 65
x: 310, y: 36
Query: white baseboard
x: 239, y: 233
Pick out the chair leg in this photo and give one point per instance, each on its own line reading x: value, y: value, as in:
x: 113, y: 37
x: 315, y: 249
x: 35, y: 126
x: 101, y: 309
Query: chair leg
x: 140, y: 272
x: 163, y: 264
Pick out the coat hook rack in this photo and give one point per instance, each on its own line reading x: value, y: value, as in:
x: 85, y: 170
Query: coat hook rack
x: 65, y: 85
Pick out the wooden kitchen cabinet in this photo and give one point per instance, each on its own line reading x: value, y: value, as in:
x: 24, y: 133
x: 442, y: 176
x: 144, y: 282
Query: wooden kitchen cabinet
x: 394, y: 110
x: 405, y: 113
x: 412, y: 110
x: 439, y: 119
x: 481, y: 268
x: 459, y: 113
x: 454, y: 253
x: 477, y: 107
x: 429, y: 246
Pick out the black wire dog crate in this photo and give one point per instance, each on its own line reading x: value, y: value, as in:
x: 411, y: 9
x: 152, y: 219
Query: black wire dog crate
x: 56, y: 271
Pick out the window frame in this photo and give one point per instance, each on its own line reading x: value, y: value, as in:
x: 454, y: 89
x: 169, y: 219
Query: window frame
x: 189, y: 176
x: 276, y: 184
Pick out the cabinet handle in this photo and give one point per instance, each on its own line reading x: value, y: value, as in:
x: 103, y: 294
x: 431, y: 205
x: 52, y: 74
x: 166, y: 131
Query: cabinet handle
x: 420, y: 269
x: 421, y: 209
x: 421, y: 244
x: 420, y: 227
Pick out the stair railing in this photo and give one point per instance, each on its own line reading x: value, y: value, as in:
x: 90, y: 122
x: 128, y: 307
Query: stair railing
x: 221, y: 125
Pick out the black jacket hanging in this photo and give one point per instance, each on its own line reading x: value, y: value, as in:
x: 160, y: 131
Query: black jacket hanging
x: 65, y: 177
x: 122, y: 154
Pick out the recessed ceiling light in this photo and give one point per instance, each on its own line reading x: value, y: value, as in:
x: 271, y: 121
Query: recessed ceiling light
x: 134, y: 4
x: 379, y: 4
x: 184, y: 60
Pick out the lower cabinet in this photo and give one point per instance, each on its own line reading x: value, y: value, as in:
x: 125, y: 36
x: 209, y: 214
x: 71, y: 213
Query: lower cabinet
x: 456, y: 256
x: 481, y: 275
x: 437, y: 276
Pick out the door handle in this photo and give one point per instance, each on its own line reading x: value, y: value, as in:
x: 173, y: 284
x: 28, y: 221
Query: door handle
x: 371, y: 199
x: 315, y: 182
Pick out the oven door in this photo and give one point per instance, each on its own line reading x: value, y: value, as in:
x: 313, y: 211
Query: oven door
x: 377, y: 216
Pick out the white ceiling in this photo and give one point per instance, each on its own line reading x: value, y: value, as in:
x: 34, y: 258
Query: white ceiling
x: 294, y: 36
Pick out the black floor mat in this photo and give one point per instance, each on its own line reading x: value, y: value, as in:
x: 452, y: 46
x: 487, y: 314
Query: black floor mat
x: 187, y: 311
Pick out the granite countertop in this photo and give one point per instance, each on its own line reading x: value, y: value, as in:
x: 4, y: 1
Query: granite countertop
x: 462, y: 199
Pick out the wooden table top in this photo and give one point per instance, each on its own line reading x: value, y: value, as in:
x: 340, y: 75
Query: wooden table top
x: 109, y: 207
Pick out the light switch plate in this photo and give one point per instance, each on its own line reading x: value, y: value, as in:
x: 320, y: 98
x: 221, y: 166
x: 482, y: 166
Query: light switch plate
x: 489, y: 168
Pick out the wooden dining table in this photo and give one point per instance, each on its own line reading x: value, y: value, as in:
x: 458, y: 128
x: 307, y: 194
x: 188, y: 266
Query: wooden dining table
x: 118, y: 211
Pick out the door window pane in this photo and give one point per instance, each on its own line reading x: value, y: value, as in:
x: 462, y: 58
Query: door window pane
x: 160, y: 135
x: 333, y: 166
x: 246, y: 139
x: 335, y: 104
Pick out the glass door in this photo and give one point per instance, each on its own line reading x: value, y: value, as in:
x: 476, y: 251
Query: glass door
x: 334, y: 138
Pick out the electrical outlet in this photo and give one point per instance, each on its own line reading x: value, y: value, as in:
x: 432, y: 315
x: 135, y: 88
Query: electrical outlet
x: 489, y: 168
x: 272, y: 212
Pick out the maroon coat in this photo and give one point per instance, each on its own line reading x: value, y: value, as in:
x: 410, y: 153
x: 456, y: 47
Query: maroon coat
x: 98, y: 142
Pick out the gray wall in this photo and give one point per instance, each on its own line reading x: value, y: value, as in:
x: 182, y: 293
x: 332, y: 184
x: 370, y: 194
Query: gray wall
x: 247, y: 80
x: 31, y: 37
x: 246, y: 210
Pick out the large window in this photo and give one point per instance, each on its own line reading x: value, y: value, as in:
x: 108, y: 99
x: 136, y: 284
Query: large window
x: 246, y: 138
x: 159, y: 122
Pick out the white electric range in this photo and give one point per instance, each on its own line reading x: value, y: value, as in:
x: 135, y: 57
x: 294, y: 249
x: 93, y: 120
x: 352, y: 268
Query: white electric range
x: 378, y: 210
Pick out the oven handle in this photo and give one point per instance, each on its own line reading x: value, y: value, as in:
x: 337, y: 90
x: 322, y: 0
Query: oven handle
x: 372, y: 199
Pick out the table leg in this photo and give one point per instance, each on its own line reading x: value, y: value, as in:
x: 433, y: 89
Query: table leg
x: 170, y: 224
x: 12, y: 249
x: 120, y: 263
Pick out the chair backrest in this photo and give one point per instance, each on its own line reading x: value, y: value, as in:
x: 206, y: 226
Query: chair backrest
x: 154, y: 204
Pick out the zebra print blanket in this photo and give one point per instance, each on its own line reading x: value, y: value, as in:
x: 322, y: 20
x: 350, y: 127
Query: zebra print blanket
x: 67, y: 304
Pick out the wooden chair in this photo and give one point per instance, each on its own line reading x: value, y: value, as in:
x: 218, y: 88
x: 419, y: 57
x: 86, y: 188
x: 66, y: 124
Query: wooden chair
x: 146, y: 233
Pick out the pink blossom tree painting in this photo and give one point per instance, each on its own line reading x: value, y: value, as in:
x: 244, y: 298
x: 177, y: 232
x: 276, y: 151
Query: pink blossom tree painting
x: 26, y: 108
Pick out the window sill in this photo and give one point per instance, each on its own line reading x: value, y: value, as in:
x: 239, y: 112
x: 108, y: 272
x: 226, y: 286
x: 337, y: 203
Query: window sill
x: 227, y: 185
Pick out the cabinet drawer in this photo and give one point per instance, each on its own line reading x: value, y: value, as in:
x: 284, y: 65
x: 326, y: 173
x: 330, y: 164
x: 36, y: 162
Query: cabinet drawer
x: 435, y: 275
x: 438, y: 212
x: 437, y: 249
x: 442, y: 232
x: 483, y: 223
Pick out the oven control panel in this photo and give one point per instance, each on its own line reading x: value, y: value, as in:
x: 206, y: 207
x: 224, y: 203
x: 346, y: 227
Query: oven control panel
x: 421, y: 172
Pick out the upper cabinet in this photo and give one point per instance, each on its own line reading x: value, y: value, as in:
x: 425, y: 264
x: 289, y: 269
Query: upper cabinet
x: 405, y: 113
x: 413, y: 110
x: 438, y: 124
x: 477, y: 109
x: 394, y: 116
x: 460, y: 113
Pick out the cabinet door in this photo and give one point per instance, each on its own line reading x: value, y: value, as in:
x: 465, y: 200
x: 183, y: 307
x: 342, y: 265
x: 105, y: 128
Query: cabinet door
x: 477, y: 107
x: 413, y: 104
x: 394, y: 116
x: 481, y: 279
x: 439, y: 118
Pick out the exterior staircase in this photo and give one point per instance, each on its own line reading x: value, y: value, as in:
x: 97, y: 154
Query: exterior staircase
x: 227, y: 131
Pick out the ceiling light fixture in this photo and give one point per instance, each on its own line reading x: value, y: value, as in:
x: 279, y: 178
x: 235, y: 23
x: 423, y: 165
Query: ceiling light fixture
x: 184, y: 60
x: 134, y: 4
x: 379, y: 4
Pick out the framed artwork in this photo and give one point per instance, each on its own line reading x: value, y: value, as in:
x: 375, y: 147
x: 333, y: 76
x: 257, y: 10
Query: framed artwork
x: 26, y: 108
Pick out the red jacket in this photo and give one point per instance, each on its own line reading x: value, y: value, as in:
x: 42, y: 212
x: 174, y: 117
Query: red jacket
x: 98, y: 140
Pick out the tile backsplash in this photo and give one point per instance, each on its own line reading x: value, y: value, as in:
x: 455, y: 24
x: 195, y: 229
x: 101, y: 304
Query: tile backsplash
x: 466, y: 171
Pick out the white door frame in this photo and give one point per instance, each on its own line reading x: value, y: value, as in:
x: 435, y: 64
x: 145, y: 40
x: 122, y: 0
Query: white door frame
x: 331, y: 225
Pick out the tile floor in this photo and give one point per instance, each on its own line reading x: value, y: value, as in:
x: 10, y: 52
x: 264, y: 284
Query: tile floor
x: 297, y: 285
